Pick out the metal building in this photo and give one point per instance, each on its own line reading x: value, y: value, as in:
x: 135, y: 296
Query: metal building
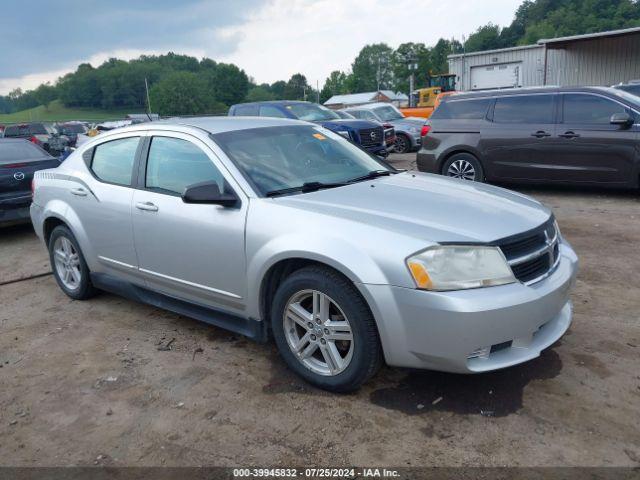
x: 604, y: 58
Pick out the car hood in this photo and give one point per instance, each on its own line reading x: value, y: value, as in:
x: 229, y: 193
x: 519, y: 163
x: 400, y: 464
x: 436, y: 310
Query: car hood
x: 409, y: 122
x: 347, y: 122
x: 428, y: 207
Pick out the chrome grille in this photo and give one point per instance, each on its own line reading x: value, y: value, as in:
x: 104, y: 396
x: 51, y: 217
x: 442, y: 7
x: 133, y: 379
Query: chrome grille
x: 371, y: 137
x: 534, y: 254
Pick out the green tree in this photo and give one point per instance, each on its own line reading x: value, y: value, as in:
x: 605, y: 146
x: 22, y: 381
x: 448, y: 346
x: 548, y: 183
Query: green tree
x: 259, y: 93
x: 335, y: 84
x: 373, y: 67
x: 277, y: 88
x: 228, y: 83
x: 401, y: 72
x: 486, y: 37
x: 296, y: 88
x: 183, y: 93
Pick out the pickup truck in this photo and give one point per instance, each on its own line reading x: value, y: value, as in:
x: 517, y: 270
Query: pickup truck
x: 369, y: 135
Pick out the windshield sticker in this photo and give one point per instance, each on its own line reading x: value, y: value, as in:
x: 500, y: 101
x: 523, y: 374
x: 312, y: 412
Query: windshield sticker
x: 319, y: 136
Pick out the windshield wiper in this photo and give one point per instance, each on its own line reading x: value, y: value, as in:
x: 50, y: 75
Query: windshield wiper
x: 304, y: 188
x: 371, y: 174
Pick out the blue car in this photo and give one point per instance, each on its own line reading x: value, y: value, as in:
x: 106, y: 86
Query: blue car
x: 369, y: 135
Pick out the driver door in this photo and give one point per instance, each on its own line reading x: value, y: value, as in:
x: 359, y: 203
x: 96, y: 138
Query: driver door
x: 194, y: 252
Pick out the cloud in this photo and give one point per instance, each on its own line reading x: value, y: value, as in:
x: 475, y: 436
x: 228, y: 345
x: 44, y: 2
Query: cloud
x: 269, y: 39
x: 52, y: 36
x: 315, y: 38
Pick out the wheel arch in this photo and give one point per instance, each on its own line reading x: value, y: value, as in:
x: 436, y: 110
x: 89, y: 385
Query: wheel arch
x: 456, y: 150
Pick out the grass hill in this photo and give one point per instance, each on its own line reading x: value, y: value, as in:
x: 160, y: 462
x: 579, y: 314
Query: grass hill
x: 56, y: 111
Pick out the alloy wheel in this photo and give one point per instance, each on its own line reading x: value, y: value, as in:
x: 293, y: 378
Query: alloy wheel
x: 402, y: 144
x: 462, y: 169
x: 318, y: 332
x: 67, y: 263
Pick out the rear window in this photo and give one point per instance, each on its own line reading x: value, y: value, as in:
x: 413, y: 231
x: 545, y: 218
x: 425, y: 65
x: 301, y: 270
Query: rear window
x: 462, y: 109
x: 12, y: 152
x: 524, y: 109
x: 37, y: 129
x: 113, y: 161
x: 245, y: 110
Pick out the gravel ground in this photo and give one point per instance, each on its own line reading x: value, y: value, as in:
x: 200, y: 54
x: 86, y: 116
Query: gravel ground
x: 85, y: 383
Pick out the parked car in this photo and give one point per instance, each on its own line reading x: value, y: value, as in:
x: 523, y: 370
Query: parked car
x: 632, y: 87
x: 71, y: 130
x: 407, y: 129
x: 42, y: 134
x: 275, y: 227
x: 19, y: 159
x: 586, y: 135
x: 343, y: 114
x: 389, y: 130
x: 368, y: 135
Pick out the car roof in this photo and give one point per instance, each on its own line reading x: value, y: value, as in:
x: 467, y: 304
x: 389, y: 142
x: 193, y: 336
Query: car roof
x: 526, y: 90
x: 211, y: 125
x: 371, y: 106
x: 273, y: 102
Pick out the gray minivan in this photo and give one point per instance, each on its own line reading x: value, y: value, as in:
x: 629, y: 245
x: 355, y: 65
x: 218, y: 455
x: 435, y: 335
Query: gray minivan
x: 584, y: 135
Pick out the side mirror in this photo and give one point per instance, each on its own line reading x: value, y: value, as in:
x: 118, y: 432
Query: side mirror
x: 209, y: 193
x: 621, y: 119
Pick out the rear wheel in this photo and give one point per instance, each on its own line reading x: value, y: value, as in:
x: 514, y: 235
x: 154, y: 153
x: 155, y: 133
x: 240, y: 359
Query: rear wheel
x: 68, y: 264
x: 463, y: 166
x: 324, y: 330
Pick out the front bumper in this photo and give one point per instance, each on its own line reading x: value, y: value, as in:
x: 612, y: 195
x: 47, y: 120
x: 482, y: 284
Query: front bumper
x: 442, y: 330
x: 379, y: 150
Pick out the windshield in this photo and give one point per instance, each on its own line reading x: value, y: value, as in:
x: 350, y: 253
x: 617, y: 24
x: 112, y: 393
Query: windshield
x: 311, y: 112
x: 388, y: 113
x: 630, y: 96
x: 71, y: 129
x: 275, y: 158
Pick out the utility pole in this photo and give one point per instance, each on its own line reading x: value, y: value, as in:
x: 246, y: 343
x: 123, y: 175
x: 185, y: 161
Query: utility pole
x: 412, y: 66
x: 317, y: 91
x: 146, y: 86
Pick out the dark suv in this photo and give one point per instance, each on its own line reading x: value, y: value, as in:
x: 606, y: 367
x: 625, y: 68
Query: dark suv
x: 368, y: 135
x: 585, y: 135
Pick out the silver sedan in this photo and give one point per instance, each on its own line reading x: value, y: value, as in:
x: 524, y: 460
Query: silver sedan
x: 281, y: 229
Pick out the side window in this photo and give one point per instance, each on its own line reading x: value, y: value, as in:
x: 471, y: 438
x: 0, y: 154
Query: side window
x: 524, y: 109
x: 462, y: 109
x: 11, y: 132
x: 113, y: 161
x: 589, y: 109
x: 271, y: 111
x: 245, y: 110
x: 174, y: 164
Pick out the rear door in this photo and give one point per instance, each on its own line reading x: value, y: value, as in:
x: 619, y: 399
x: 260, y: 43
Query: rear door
x: 516, y: 144
x: 589, y: 148
x: 103, y: 203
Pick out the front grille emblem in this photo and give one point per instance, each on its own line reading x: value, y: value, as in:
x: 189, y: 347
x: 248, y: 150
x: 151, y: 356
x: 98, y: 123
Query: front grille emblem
x: 18, y: 176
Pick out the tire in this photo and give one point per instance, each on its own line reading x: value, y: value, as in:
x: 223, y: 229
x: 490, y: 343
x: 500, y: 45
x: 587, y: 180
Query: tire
x: 359, y: 358
x: 403, y: 143
x: 68, y: 264
x: 463, y: 166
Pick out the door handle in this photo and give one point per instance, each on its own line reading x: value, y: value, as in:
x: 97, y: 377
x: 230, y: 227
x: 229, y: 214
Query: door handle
x: 540, y: 134
x: 80, y: 192
x: 569, y: 135
x: 147, y: 206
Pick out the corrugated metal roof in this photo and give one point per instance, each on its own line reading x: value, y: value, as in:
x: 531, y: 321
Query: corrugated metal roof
x: 497, y: 50
x: 589, y: 36
x: 365, y: 97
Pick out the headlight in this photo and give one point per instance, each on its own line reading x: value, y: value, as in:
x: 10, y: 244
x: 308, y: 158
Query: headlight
x: 344, y: 133
x: 458, y: 267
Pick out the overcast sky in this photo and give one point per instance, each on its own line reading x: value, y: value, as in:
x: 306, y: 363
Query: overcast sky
x: 269, y: 39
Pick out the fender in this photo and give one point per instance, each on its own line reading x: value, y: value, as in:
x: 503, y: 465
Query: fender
x: 338, y: 253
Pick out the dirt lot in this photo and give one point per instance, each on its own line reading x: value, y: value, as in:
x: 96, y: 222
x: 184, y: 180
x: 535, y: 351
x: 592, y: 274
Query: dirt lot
x: 85, y: 383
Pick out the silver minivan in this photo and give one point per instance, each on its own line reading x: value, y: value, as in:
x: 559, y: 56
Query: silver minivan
x: 278, y: 228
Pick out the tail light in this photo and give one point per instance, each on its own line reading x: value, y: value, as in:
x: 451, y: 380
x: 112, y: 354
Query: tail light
x: 34, y: 140
x: 426, y: 128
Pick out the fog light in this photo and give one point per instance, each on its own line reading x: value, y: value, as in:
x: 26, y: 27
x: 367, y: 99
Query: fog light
x: 482, y: 352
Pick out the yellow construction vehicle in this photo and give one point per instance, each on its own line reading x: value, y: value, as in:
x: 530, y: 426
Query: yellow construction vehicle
x: 426, y: 99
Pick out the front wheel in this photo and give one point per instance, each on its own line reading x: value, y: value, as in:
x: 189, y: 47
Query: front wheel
x: 403, y: 143
x: 324, y: 330
x: 463, y: 166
